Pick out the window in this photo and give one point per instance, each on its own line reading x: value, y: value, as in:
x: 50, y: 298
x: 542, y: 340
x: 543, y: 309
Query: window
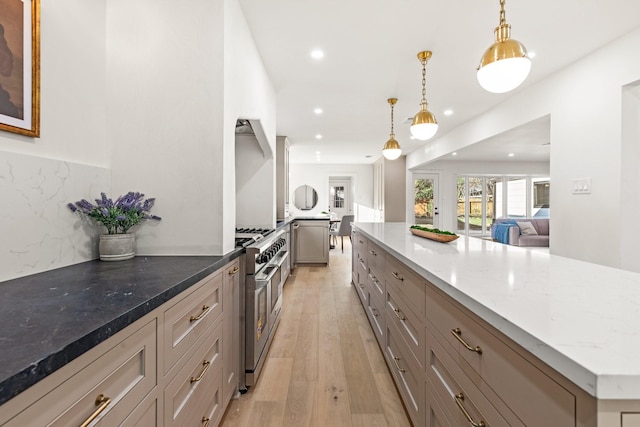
x: 481, y: 200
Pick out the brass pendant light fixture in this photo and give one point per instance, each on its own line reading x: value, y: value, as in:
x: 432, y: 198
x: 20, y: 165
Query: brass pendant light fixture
x: 505, y: 65
x: 391, y: 148
x: 424, y: 124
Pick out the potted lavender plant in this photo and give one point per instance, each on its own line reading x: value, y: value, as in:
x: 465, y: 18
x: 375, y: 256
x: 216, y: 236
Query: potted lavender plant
x: 117, y: 218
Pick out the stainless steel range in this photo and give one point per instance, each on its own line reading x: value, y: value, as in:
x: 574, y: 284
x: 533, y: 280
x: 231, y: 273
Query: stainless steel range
x: 264, y: 258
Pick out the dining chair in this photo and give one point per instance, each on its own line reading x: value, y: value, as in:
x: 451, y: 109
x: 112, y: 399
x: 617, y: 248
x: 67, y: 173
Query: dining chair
x: 344, y: 229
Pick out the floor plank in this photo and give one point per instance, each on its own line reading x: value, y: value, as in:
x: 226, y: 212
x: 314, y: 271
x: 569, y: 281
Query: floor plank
x: 325, y: 367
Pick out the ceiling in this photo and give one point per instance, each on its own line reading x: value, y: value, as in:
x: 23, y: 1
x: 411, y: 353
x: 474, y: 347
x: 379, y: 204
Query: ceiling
x: 370, y: 50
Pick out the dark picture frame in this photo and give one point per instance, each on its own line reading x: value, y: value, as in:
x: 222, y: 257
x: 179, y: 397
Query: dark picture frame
x: 20, y: 67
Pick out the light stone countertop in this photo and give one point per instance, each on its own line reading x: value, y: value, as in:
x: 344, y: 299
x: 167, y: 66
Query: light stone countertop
x: 581, y: 319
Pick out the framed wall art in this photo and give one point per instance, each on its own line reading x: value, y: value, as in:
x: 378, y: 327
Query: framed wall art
x: 20, y: 66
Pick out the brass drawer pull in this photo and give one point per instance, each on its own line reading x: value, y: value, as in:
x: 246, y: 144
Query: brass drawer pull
x: 205, y: 421
x: 361, y: 242
x: 398, y: 315
x: 459, y: 398
x: 397, y: 276
x: 373, y: 253
x: 458, y: 334
x: 205, y: 308
x: 396, y: 360
x: 234, y: 271
x: 205, y: 364
x: 102, y: 402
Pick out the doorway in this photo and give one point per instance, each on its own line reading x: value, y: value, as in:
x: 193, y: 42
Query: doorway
x: 425, y: 199
x: 340, y: 196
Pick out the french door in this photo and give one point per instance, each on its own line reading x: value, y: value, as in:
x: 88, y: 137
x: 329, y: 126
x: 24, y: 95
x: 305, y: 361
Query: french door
x: 425, y: 199
x: 340, y: 197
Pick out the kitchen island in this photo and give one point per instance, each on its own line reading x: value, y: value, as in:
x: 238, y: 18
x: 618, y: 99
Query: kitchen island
x: 577, y: 318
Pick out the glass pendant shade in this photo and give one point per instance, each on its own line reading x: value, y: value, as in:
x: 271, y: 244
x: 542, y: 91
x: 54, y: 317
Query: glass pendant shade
x: 424, y: 125
x: 391, y: 150
x: 504, y: 66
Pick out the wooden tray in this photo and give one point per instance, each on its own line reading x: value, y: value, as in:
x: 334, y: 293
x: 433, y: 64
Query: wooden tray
x: 443, y: 238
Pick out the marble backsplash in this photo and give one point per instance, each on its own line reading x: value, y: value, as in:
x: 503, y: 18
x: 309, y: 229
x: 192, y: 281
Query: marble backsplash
x: 38, y: 231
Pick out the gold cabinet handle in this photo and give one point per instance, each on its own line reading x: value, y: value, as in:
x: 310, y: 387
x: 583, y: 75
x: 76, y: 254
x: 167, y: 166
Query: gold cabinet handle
x: 373, y: 253
x: 458, y: 334
x: 102, y: 402
x: 361, y: 242
x: 205, y: 421
x: 459, y: 399
x: 399, y: 315
x: 234, y: 271
x: 397, y: 276
x: 205, y: 364
x: 396, y: 360
x: 205, y: 308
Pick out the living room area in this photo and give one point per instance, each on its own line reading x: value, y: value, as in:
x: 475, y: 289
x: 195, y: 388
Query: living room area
x: 498, y: 189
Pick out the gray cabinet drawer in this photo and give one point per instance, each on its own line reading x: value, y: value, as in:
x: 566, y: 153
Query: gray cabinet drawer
x: 125, y: 374
x: 496, y: 369
x: 408, y: 285
x: 187, y: 319
x: 376, y: 259
x: 458, y: 397
x: 198, y: 380
x: 376, y: 314
x: 409, y: 325
x: 408, y: 376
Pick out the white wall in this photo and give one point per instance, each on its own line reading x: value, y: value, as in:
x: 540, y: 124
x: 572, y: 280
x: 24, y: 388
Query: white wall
x: 39, y: 176
x: 630, y: 178
x: 448, y: 171
x: 317, y: 176
x: 584, y: 101
x: 145, y: 99
x: 179, y: 77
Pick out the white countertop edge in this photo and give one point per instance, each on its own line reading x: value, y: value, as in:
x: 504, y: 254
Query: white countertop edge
x: 600, y: 386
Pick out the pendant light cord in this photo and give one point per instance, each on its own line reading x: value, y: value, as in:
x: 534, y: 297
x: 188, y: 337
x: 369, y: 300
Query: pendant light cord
x: 503, y: 19
x: 392, y: 134
x: 424, y: 84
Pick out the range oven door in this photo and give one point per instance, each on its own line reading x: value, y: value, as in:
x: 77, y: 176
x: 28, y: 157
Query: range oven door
x: 258, y: 320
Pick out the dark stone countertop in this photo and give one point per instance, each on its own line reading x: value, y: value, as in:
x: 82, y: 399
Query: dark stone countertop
x: 50, y: 318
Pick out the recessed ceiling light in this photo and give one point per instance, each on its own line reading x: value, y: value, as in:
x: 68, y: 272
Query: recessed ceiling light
x: 447, y: 112
x: 454, y: 154
x: 511, y: 154
x: 412, y: 137
x: 318, y: 111
x: 531, y: 54
x: 318, y: 136
x: 317, y: 54
x: 318, y: 153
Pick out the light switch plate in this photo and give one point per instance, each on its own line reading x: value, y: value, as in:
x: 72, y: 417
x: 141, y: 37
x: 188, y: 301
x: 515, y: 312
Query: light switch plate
x: 581, y: 186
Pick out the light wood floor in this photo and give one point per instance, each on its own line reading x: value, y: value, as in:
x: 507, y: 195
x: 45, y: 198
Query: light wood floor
x: 324, y: 367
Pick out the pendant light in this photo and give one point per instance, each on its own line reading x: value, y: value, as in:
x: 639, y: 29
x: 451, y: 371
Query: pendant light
x: 505, y: 65
x: 391, y: 148
x: 424, y: 124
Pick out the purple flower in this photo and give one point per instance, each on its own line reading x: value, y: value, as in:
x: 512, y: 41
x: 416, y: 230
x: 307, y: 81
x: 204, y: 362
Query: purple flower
x: 128, y: 210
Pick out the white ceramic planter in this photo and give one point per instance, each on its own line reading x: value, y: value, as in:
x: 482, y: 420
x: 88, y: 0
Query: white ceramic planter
x: 117, y: 247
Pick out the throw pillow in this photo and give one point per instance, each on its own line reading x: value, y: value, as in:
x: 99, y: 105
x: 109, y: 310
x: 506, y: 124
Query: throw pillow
x: 526, y: 228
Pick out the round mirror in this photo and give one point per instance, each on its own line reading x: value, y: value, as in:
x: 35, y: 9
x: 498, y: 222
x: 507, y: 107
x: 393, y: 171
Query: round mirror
x: 305, y: 198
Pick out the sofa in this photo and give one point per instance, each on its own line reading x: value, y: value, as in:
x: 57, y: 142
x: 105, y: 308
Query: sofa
x: 519, y: 233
